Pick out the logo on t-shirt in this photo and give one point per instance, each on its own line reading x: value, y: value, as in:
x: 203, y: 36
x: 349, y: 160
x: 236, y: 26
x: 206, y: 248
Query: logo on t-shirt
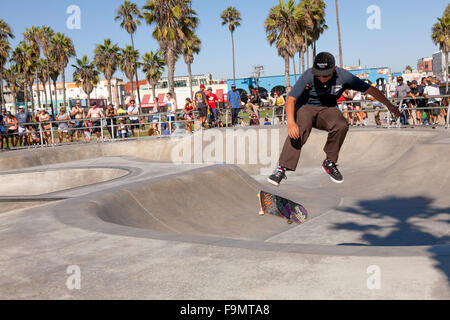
x: 335, y: 89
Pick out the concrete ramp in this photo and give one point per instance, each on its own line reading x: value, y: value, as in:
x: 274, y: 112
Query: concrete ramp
x: 218, y: 201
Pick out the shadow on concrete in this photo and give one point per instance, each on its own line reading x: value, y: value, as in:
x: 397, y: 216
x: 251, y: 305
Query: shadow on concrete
x: 406, y: 228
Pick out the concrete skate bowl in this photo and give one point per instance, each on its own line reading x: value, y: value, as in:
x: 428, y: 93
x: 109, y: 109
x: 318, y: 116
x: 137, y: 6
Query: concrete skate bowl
x: 40, y: 182
x: 218, y: 205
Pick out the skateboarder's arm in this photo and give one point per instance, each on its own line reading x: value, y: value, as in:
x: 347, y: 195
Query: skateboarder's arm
x: 293, y: 130
x: 379, y: 96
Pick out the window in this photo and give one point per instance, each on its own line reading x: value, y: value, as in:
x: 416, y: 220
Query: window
x: 180, y: 83
x: 195, y: 82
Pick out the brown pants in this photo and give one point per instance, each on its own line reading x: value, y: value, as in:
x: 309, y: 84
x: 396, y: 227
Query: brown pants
x: 323, y: 118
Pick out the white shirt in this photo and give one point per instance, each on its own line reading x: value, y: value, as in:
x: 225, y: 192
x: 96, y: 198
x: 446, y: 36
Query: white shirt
x: 432, y: 91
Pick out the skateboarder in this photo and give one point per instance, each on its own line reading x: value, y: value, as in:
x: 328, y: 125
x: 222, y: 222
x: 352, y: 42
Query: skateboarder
x: 313, y: 103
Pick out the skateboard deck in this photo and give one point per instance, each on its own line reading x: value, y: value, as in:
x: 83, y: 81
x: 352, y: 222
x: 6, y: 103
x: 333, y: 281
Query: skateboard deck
x: 281, y: 207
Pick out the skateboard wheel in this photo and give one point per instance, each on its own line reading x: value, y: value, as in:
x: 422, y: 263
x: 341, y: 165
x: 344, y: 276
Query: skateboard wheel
x: 261, y: 213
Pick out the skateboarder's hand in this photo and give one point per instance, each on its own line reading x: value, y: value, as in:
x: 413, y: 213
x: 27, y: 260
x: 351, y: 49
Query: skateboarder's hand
x: 293, y: 130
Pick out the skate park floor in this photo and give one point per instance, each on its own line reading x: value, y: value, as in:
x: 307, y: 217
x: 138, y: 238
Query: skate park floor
x: 141, y: 227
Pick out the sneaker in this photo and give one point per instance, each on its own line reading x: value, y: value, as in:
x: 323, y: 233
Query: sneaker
x: 331, y: 169
x: 276, y: 177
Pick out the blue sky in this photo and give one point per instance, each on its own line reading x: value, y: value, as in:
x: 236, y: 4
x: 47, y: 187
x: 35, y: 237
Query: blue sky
x: 405, y: 33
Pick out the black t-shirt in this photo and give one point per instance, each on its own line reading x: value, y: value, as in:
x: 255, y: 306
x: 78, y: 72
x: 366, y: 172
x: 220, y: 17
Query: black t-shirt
x: 202, y: 99
x: 326, y: 95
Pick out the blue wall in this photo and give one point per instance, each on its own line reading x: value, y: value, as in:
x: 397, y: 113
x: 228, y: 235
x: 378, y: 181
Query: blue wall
x: 269, y: 82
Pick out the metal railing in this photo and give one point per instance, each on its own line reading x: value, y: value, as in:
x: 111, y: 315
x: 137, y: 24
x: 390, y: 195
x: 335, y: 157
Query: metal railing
x: 121, y: 127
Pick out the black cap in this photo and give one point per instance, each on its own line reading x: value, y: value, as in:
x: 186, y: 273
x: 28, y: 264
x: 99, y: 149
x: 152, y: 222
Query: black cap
x: 324, y: 64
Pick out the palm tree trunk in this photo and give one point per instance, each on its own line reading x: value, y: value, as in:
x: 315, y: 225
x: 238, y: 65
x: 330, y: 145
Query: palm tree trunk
x: 38, y: 90
x: 234, y: 63
x: 63, y: 77
x: 88, y: 100
x: 109, y: 91
x: 132, y: 88
x: 154, y: 90
x: 341, y: 61
x: 2, y: 96
x: 307, y: 55
x: 303, y: 60
x: 49, y: 87
x: 295, y: 72
x: 190, y: 78
x: 31, y: 94
x: 171, y: 70
x: 136, y: 70
x: 56, y: 100
x: 286, y: 70
x: 25, y: 91
x: 45, y: 94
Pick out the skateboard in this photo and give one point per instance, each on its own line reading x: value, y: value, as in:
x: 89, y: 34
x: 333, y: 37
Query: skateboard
x: 281, y: 207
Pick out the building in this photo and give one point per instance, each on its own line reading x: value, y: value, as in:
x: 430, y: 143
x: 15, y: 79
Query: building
x: 425, y: 65
x: 182, y: 90
x: 74, y: 92
x: 439, y: 65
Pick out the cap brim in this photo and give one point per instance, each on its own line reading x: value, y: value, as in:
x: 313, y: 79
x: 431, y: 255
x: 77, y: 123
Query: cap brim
x: 322, y: 73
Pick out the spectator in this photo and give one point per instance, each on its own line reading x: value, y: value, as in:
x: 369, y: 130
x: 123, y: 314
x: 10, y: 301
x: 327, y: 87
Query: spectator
x: 31, y: 136
x: 431, y: 90
x: 44, y: 119
x: 111, y: 114
x: 357, y: 97
x: 187, y: 114
x: 77, y: 113
x: 416, y: 91
x: 254, y: 100
x: 96, y: 115
x: 278, y: 102
x: 424, y: 113
x: 133, y: 111
x: 2, y: 131
x: 23, y: 118
x: 402, y: 91
x: 154, y: 117
x: 11, y: 124
x: 234, y: 102
x: 201, y: 102
x: 213, y: 102
x: 123, y: 130
x: 63, y: 127
x: 266, y: 121
x: 172, y: 107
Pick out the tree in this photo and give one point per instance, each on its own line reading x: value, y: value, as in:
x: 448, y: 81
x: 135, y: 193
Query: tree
x: 62, y: 49
x: 284, y: 30
x: 45, y: 42
x: 13, y: 80
x: 43, y: 74
x: 232, y: 17
x: 23, y: 57
x: 440, y: 33
x: 174, y: 21
x: 314, y: 11
x: 153, y: 67
x: 107, y: 59
x: 130, y: 15
x: 5, y: 34
x: 53, y: 74
x: 86, y: 76
x: 341, y: 60
x: 409, y: 68
x: 128, y: 63
x: 190, y: 47
x: 32, y: 36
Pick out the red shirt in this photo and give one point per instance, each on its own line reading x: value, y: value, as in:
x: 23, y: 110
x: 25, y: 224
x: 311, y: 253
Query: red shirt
x: 212, y: 99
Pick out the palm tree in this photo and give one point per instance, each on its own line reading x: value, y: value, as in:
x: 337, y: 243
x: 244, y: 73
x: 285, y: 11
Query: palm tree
x: 43, y: 74
x: 190, y: 47
x: 12, y: 77
x: 107, y: 59
x: 153, y: 67
x: 130, y: 15
x: 86, y: 76
x: 128, y: 62
x: 23, y: 57
x: 46, y: 36
x: 232, y: 17
x: 54, y: 74
x: 283, y: 29
x: 174, y: 21
x: 341, y: 61
x: 315, y: 21
x: 32, y: 36
x: 440, y: 33
x: 4, y: 54
x: 5, y: 33
x: 62, y: 49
